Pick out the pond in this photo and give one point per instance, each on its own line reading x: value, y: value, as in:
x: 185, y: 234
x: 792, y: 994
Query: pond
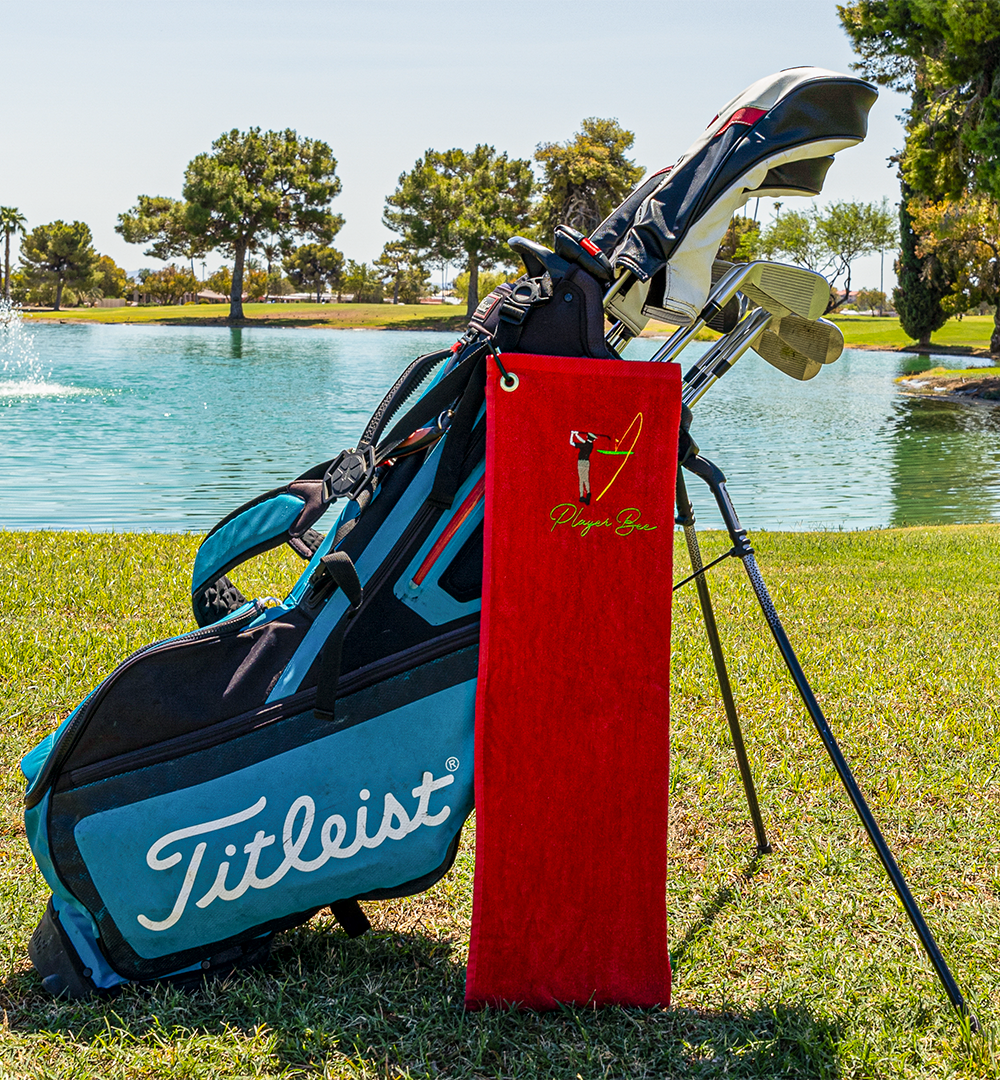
x: 168, y: 429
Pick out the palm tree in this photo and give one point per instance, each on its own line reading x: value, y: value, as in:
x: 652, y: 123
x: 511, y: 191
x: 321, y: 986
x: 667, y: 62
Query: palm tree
x: 271, y: 252
x: 11, y: 221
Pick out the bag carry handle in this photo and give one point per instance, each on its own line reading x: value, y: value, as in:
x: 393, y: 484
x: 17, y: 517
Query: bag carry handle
x: 284, y: 515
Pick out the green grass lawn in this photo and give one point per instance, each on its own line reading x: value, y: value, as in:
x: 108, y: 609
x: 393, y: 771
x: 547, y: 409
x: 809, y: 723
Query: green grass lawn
x: 972, y: 332
x: 799, y: 963
x: 343, y: 316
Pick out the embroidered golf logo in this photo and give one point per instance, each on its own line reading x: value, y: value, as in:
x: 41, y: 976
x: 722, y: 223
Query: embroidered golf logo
x: 626, y: 522
x: 584, y: 443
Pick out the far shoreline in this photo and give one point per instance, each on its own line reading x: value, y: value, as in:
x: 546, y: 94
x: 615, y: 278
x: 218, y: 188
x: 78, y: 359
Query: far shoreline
x: 967, y: 337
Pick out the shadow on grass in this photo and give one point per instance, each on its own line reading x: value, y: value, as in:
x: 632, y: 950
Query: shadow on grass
x: 711, y: 910
x: 392, y: 1003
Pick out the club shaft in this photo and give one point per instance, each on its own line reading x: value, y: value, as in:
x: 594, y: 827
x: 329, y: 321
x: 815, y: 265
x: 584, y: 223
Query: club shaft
x: 717, y: 360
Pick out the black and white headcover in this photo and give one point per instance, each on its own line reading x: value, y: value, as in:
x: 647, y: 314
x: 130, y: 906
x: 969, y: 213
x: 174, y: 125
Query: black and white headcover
x: 776, y: 138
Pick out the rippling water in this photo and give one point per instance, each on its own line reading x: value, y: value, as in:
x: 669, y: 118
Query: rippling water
x: 132, y: 427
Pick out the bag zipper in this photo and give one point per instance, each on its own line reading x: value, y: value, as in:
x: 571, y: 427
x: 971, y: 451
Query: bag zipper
x: 225, y: 730
x: 73, y: 730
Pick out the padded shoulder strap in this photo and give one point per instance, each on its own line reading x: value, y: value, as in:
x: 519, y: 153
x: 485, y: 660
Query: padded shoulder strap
x: 284, y: 515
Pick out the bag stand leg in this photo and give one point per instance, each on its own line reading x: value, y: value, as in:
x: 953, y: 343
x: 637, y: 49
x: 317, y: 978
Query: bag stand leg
x: 685, y: 518
x: 716, y: 481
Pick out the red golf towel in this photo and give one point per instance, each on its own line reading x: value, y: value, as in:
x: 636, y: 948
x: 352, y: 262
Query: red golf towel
x: 572, y: 750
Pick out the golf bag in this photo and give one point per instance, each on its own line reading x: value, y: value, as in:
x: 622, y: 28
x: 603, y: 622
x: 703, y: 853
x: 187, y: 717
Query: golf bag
x: 227, y: 783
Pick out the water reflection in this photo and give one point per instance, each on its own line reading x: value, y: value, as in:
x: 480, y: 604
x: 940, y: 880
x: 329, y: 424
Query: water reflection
x: 945, y: 464
x: 912, y: 363
x: 135, y: 427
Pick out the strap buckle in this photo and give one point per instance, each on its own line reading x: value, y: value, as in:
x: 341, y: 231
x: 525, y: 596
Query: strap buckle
x: 350, y: 472
x: 524, y: 294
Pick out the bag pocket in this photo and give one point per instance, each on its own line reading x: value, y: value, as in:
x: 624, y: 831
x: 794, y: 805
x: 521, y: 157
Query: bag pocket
x: 212, y: 838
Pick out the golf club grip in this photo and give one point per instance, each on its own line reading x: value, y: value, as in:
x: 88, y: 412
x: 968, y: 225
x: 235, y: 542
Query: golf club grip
x: 853, y: 791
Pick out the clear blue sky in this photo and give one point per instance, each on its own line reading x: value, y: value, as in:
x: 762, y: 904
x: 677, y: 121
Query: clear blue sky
x: 107, y: 100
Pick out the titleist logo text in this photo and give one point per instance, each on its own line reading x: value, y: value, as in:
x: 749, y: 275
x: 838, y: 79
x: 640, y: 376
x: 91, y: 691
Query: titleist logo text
x: 396, y: 823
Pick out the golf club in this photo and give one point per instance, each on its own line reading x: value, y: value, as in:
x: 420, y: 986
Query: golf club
x: 776, y: 287
x: 820, y: 340
x: 768, y: 338
x: 779, y: 354
x: 721, y: 356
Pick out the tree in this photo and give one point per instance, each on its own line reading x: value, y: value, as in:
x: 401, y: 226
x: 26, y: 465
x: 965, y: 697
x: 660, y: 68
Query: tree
x: 59, y: 254
x: 921, y: 286
x: 794, y: 236
x: 169, y: 285
x: 586, y: 177
x: 964, y: 234
x: 272, y: 252
x: 11, y: 221
x: 220, y: 282
x: 398, y: 266
x: 162, y: 221
x: 487, y: 282
x: 314, y: 265
x: 829, y: 241
x: 109, y: 278
x: 852, y: 229
x: 364, y: 282
x: 462, y: 206
x: 946, y: 55
x: 870, y: 299
x: 742, y: 240
x: 255, y: 281
x: 253, y: 184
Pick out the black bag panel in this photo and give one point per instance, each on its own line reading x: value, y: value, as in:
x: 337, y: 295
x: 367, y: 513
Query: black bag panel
x: 262, y: 733
x: 463, y: 579
x: 184, y: 686
x: 570, y: 323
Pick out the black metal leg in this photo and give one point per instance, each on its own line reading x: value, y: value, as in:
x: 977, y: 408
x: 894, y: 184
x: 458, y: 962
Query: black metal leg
x: 685, y: 518
x: 716, y: 481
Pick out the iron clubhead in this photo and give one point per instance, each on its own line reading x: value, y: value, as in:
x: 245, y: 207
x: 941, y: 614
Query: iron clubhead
x: 787, y: 290
x: 822, y: 341
x: 780, y: 354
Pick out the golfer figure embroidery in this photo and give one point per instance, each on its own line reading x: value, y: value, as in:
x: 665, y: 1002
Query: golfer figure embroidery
x: 583, y: 443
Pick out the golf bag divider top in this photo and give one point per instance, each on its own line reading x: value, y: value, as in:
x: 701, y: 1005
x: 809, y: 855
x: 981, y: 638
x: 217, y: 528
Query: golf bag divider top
x: 229, y: 782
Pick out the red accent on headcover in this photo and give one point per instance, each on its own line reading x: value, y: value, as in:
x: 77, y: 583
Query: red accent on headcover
x: 572, y: 733
x: 747, y: 116
x: 589, y: 246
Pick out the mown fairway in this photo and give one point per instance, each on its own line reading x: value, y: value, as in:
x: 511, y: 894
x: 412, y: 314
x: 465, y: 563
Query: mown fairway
x: 799, y: 963
x: 971, y: 333
x: 331, y: 316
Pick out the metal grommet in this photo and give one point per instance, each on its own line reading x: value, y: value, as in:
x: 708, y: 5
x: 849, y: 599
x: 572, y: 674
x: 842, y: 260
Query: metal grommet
x: 509, y: 382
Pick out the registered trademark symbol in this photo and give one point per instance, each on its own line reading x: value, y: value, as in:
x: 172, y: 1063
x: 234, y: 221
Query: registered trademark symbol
x: 452, y: 764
